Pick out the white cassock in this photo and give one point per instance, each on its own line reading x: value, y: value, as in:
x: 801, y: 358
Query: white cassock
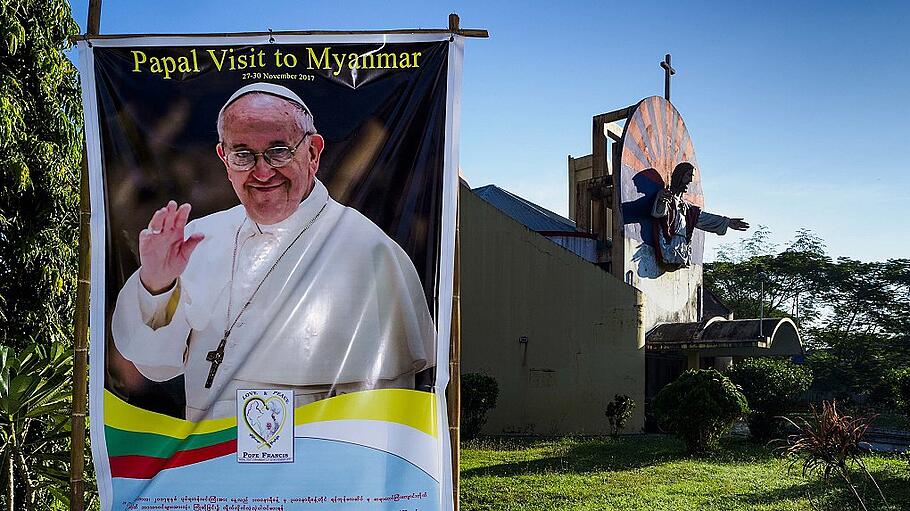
x: 677, y: 249
x: 343, y: 310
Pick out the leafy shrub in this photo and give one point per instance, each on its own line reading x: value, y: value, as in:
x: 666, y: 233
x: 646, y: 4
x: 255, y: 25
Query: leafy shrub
x: 829, y: 443
x: 699, y: 407
x: 900, y: 380
x: 478, y: 396
x: 618, y: 413
x: 34, y: 425
x: 772, y: 387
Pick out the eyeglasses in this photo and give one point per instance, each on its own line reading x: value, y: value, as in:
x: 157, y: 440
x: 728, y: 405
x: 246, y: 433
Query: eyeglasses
x: 276, y: 157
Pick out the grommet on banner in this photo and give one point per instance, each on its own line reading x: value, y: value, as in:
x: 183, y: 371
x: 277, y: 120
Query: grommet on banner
x: 271, y: 37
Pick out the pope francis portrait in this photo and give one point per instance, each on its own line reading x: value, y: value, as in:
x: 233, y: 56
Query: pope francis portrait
x: 287, y: 290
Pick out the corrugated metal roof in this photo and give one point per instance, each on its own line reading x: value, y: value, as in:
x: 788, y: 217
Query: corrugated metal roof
x: 523, y: 211
x: 722, y: 333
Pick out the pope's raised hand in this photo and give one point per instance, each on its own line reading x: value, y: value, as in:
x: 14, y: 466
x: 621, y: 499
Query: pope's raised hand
x: 163, y: 251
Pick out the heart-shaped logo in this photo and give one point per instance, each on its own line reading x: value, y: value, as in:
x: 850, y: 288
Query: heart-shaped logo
x: 265, y: 418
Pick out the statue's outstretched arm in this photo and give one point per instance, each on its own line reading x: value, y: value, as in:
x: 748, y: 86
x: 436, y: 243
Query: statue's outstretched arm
x: 719, y: 224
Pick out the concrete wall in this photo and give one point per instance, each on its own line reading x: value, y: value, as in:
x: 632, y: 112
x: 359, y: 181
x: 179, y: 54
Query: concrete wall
x: 672, y: 297
x: 584, y: 344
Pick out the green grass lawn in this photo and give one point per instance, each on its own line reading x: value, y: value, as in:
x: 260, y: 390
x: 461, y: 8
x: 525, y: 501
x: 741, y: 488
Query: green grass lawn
x: 652, y: 473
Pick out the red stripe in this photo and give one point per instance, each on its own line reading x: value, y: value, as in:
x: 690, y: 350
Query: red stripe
x: 146, y: 467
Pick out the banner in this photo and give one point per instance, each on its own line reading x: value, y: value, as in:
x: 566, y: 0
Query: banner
x: 273, y: 226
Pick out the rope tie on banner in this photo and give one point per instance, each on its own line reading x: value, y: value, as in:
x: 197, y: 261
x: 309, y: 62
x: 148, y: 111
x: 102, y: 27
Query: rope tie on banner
x: 271, y: 37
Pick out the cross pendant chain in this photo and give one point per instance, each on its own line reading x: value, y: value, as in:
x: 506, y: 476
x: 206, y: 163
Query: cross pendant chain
x: 216, y: 357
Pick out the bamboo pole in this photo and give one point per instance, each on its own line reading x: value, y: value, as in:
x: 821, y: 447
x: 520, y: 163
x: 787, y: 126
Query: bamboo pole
x: 80, y: 352
x: 454, y: 391
x: 80, y: 355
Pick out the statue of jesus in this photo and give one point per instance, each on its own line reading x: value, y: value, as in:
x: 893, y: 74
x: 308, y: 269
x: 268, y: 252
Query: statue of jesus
x: 676, y: 219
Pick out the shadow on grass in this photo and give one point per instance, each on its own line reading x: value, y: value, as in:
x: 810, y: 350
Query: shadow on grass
x: 577, y: 455
x: 597, y: 455
x: 583, y: 455
x: 834, y: 494
x: 553, y: 457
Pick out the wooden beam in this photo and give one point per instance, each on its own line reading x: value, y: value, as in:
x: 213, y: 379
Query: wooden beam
x: 604, y: 125
x: 464, y: 32
x: 615, y: 115
x: 93, y: 28
x: 598, y: 149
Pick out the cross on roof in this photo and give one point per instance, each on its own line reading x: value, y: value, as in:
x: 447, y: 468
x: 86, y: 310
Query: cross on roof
x: 668, y: 72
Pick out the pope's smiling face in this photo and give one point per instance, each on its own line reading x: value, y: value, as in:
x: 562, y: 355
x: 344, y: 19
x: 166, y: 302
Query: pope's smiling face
x: 256, y: 123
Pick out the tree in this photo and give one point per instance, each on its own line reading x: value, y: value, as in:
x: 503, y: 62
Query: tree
x: 865, y: 335
x: 792, y: 278
x: 40, y: 151
x: 854, y: 316
x: 34, y: 423
x: 772, y: 387
x: 868, y: 298
x: 900, y: 380
x: 699, y: 407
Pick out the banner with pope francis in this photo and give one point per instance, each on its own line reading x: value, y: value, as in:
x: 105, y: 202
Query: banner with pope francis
x: 273, y: 224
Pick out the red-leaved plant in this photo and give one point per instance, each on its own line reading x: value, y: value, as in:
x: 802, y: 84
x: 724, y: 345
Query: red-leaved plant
x: 830, y: 443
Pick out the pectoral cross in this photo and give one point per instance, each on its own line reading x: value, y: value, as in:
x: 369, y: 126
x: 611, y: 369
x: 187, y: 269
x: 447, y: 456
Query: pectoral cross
x: 215, y: 357
x: 668, y: 72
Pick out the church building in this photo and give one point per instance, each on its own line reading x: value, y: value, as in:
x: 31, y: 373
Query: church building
x: 566, y: 313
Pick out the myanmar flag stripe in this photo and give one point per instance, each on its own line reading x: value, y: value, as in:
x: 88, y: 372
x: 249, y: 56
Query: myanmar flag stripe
x: 411, y: 408
x: 146, y: 467
x: 124, y: 416
x: 125, y: 443
x: 408, y: 407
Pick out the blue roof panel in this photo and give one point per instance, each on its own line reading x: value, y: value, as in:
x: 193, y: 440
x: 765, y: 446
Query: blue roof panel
x: 523, y: 211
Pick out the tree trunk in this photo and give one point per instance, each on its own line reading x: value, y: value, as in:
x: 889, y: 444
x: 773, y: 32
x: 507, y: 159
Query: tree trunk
x: 29, y: 495
x: 11, y: 491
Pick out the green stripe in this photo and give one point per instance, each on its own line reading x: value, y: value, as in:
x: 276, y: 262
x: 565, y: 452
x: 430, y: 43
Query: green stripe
x: 126, y: 443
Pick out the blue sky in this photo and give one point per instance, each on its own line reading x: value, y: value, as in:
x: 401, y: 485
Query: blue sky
x: 798, y: 110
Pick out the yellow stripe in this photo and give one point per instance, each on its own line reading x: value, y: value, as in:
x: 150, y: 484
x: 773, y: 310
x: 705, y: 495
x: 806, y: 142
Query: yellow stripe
x: 408, y: 407
x: 122, y: 415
